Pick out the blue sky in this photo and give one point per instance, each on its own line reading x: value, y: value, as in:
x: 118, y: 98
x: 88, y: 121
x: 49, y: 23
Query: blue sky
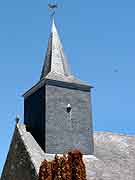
x: 99, y: 40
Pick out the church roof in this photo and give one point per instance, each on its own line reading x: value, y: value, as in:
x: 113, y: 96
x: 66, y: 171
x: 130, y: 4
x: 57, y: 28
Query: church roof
x: 55, y: 65
x: 114, y: 157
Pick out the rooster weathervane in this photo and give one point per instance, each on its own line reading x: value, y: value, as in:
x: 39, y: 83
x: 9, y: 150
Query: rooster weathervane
x: 52, y: 8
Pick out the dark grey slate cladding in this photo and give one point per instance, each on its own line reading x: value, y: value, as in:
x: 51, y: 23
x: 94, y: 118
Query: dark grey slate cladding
x: 46, y: 115
x: 66, y: 131
x: 34, y: 115
x: 55, y: 60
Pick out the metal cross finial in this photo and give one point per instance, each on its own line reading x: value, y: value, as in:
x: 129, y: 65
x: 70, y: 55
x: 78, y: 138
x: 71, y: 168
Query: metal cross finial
x: 17, y: 119
x: 52, y: 8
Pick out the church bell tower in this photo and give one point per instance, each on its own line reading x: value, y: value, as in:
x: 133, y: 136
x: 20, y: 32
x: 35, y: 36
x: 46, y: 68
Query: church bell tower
x: 57, y: 110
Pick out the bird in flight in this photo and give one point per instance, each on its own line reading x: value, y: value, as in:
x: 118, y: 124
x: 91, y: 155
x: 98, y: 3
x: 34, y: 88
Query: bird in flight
x: 53, y: 6
x: 116, y: 70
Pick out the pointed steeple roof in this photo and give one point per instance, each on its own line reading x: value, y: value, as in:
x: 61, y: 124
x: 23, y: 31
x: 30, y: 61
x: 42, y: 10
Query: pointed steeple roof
x: 55, y: 60
x: 56, y: 68
x: 55, y: 65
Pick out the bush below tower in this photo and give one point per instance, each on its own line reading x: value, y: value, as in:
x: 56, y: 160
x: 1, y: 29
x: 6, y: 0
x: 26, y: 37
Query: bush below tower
x: 70, y: 166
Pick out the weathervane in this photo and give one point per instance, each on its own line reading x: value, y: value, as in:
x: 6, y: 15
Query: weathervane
x: 52, y: 8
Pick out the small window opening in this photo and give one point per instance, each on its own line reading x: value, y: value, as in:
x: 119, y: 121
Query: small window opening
x: 69, y: 108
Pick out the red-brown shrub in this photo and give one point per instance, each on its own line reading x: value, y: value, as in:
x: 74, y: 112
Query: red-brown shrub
x: 68, y: 167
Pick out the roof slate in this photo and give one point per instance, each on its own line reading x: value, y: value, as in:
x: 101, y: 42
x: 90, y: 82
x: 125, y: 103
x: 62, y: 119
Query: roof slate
x: 114, y: 157
x: 55, y: 60
x: 55, y: 65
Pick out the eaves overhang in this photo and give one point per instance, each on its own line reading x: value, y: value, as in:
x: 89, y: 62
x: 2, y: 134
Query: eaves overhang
x: 63, y: 84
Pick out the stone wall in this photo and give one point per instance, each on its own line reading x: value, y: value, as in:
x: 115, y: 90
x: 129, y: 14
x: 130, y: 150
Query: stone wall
x: 19, y: 164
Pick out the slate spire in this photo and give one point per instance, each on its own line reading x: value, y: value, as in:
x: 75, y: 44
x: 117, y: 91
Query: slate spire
x: 55, y: 60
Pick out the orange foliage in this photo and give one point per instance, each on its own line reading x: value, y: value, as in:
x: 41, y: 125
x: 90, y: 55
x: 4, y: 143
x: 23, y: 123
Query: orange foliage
x: 45, y: 172
x: 68, y: 167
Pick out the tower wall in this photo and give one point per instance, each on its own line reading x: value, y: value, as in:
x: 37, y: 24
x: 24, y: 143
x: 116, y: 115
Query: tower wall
x: 48, y: 116
x: 64, y: 130
x: 34, y: 115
